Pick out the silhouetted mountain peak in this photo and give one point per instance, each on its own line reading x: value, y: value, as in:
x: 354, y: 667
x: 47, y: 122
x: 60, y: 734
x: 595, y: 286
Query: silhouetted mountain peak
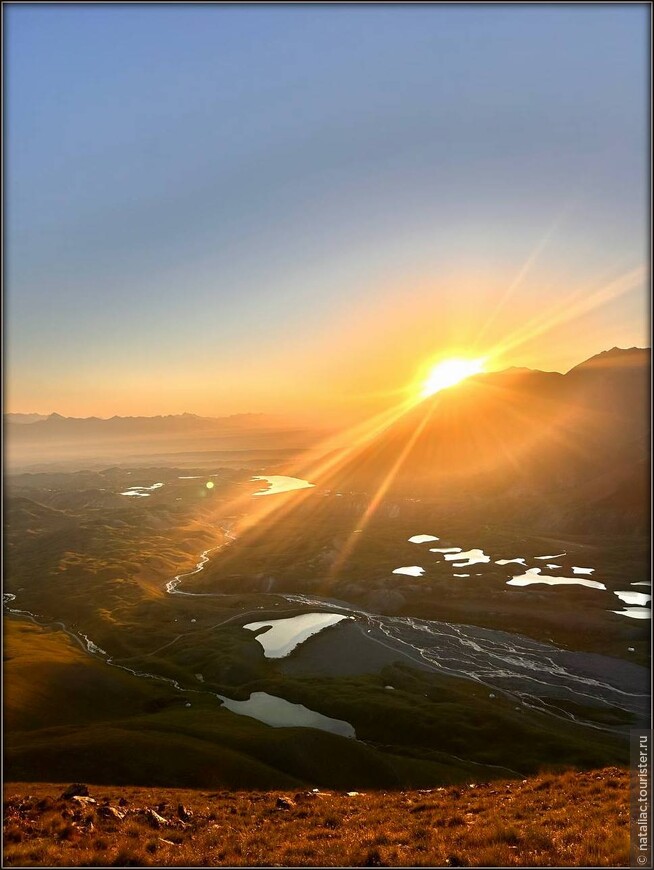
x: 616, y: 357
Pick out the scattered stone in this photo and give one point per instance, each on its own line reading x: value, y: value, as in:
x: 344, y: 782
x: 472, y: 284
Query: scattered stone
x: 109, y: 812
x: 123, y: 802
x: 83, y: 800
x: 155, y: 820
x: 184, y: 813
x: 77, y: 789
x: 353, y: 793
x: 169, y: 842
x: 284, y: 803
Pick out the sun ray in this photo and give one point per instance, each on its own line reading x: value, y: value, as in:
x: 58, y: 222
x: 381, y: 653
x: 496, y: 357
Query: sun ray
x: 330, y: 456
x: 519, y: 278
x: 376, y: 500
x: 577, y: 303
x: 331, y: 459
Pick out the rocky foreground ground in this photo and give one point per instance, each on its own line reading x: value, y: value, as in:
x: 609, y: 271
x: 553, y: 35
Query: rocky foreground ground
x: 570, y: 819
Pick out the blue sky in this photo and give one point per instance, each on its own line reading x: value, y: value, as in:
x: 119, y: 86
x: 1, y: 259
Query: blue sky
x: 221, y: 208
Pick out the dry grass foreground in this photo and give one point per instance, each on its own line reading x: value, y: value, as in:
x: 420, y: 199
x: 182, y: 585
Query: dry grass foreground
x: 569, y: 819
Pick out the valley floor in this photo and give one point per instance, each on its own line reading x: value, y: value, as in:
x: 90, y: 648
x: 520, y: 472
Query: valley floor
x: 568, y: 819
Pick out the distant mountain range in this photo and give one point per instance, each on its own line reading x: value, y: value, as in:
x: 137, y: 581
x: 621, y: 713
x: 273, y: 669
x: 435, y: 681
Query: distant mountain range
x: 168, y: 422
x: 571, y: 449
x: 37, y: 440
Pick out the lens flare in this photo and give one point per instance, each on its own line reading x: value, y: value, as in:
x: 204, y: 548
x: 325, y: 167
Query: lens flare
x: 450, y: 372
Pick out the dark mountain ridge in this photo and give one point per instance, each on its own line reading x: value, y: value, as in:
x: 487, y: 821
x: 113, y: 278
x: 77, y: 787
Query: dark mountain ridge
x: 577, y: 443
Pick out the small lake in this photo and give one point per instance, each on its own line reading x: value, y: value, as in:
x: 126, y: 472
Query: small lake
x: 141, y: 491
x: 280, y: 483
x: 422, y: 539
x: 279, y: 713
x: 283, y: 635
x: 445, y: 549
x: 533, y: 576
x: 520, y: 561
x: 410, y: 570
x: 635, y: 612
x: 629, y: 597
x: 472, y: 556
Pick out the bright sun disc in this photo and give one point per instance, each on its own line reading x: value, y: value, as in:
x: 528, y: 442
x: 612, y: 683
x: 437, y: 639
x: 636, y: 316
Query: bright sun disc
x: 450, y: 372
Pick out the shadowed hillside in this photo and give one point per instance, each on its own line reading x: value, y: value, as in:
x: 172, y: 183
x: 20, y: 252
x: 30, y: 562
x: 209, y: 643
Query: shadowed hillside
x: 569, y: 449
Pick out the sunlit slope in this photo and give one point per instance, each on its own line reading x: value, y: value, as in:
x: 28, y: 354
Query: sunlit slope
x: 556, y: 820
x: 519, y: 432
x: 51, y: 681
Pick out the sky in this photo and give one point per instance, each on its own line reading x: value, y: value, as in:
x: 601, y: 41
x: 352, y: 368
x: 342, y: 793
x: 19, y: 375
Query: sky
x: 222, y: 209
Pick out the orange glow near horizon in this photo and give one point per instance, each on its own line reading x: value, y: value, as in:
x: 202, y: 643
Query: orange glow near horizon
x: 450, y: 372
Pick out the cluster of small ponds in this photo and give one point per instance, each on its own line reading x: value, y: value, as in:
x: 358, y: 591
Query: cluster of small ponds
x: 637, y: 601
x: 279, y: 637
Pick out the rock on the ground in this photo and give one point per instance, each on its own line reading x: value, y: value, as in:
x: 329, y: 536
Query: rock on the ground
x: 155, y: 819
x: 83, y: 800
x: 109, y: 812
x: 284, y: 803
x: 77, y: 789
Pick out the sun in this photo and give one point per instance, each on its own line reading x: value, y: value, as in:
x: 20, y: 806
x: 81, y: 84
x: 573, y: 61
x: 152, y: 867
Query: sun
x: 448, y: 373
